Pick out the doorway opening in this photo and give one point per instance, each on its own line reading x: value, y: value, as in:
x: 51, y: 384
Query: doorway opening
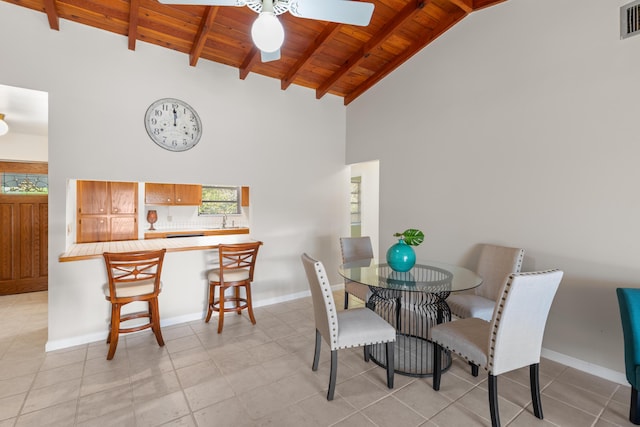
x: 364, y: 201
x: 24, y: 192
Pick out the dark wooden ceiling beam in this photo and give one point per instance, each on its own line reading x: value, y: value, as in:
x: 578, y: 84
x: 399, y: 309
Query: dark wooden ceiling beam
x: 52, y: 14
x: 466, y: 5
x: 481, y: 4
x: 329, y: 31
x: 134, y: 10
x: 203, y: 32
x: 405, y: 14
x: 249, y: 61
x: 401, y: 59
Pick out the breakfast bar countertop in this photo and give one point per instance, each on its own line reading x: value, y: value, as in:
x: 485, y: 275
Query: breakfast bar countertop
x: 82, y: 251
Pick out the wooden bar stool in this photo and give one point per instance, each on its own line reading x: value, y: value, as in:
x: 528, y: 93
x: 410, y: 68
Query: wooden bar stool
x: 133, y: 276
x: 235, y: 270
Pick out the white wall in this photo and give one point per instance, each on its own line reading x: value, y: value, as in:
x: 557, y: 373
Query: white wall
x: 519, y: 126
x: 286, y: 145
x: 21, y: 147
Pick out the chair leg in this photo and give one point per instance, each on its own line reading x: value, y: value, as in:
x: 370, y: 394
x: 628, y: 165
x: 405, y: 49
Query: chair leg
x: 249, y: 304
x: 332, y: 374
x: 211, y: 299
x: 437, y: 369
x: 493, y: 400
x: 155, y: 320
x: 534, y: 381
x: 634, y: 414
x: 367, y: 352
x: 221, y: 309
x: 474, y: 369
x: 390, y: 363
x: 237, y: 296
x: 113, y: 316
x: 316, y: 352
x: 115, y: 330
x: 346, y: 299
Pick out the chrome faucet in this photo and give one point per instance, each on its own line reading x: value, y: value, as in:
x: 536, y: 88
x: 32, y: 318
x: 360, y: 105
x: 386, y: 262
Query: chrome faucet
x: 224, y: 221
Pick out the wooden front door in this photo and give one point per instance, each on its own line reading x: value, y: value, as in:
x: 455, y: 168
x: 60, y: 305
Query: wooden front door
x: 23, y: 236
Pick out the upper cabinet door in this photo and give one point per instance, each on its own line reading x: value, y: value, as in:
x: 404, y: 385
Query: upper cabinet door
x: 93, y: 198
x: 158, y: 194
x: 172, y: 194
x: 124, y: 198
x: 187, y: 194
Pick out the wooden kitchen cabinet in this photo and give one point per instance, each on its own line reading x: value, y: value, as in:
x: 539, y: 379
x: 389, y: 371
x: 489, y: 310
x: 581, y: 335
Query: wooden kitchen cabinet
x: 172, y: 194
x: 188, y: 194
x: 124, y: 197
x: 93, y: 229
x: 123, y: 228
x: 158, y: 194
x: 107, y: 211
x: 93, y: 197
x: 244, y: 201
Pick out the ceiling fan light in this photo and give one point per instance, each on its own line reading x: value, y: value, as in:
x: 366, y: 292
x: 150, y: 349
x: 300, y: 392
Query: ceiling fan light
x: 267, y: 32
x: 4, y: 127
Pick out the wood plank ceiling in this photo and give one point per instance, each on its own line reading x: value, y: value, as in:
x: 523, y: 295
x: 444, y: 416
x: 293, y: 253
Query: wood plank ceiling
x: 342, y: 60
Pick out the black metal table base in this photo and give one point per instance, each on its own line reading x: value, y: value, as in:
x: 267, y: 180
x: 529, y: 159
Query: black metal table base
x: 413, y: 312
x: 413, y: 356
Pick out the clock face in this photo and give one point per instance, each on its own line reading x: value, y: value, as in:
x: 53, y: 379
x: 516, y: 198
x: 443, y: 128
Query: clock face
x: 173, y: 124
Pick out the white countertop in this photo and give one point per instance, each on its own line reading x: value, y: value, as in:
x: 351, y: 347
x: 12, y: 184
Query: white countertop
x: 83, y: 251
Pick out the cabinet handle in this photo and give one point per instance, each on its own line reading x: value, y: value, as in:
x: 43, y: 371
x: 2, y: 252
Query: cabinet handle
x: 101, y: 210
x: 115, y: 210
x: 179, y: 200
x: 168, y: 200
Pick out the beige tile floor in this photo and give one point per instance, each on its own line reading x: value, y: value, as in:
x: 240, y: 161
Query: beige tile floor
x: 260, y: 376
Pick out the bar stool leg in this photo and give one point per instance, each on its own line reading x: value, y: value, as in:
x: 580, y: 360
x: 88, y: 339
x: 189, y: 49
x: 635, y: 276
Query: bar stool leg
x: 212, y: 290
x: 155, y: 320
x: 221, y: 309
x: 237, y: 296
x: 249, y: 303
x: 115, y: 331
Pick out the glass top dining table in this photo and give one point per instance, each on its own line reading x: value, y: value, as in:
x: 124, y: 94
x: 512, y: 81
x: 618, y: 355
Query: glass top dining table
x: 425, y: 276
x: 412, y: 302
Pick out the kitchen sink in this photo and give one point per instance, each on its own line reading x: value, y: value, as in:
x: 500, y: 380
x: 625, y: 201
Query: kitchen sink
x: 222, y: 228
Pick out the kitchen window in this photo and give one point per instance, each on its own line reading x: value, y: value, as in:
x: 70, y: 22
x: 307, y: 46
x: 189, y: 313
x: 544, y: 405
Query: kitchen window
x: 219, y: 200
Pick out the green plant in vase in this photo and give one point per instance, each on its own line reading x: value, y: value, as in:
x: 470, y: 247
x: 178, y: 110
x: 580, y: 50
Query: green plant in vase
x: 401, y: 256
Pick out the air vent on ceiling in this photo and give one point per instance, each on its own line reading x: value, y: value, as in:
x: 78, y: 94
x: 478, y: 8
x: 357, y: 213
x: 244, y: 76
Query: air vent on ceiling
x: 630, y: 20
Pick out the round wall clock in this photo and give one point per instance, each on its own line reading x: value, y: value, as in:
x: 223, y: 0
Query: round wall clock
x: 173, y: 124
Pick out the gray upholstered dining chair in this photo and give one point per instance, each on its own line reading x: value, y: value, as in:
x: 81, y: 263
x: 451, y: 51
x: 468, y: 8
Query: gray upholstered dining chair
x: 495, y: 264
x: 359, y: 327
x: 355, y: 249
x: 511, y: 340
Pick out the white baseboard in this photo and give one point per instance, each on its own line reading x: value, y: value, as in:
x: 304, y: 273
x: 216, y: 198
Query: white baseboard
x: 102, y: 336
x: 581, y: 365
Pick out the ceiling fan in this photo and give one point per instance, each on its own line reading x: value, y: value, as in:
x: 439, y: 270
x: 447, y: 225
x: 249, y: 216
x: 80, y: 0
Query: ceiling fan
x: 267, y: 32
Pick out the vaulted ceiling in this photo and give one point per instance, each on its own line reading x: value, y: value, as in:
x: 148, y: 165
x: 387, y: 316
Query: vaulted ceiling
x: 343, y: 60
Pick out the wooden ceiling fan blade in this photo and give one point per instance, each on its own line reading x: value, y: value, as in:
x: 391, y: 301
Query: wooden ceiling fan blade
x: 269, y: 56
x: 340, y: 11
x: 205, y: 2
